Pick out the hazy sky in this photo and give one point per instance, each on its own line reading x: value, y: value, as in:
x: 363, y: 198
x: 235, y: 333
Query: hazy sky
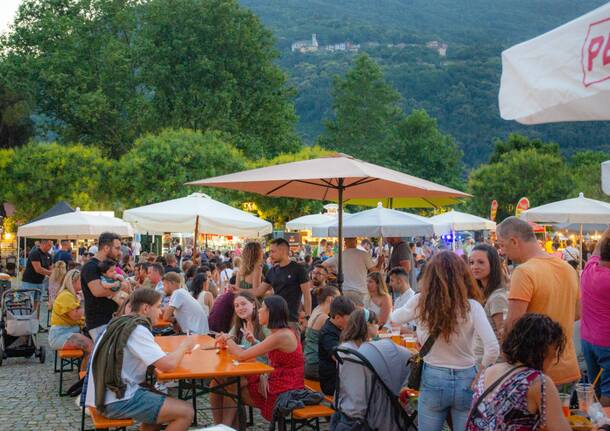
x: 7, y: 13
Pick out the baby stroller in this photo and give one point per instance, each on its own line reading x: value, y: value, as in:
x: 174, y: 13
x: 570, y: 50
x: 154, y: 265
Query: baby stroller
x: 375, y: 374
x: 19, y: 323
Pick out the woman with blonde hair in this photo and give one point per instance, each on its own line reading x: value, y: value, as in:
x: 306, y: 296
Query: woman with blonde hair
x: 249, y: 272
x: 58, y: 272
x: 449, y: 314
x: 381, y: 301
x: 67, y: 318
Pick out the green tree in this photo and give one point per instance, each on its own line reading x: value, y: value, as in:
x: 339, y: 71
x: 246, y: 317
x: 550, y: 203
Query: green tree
x: 36, y: 176
x: 105, y: 72
x: 280, y: 210
x: 158, y: 166
x: 366, y: 112
x: 516, y: 142
x: 424, y: 151
x: 540, y: 177
x: 586, y: 171
x: 16, y: 126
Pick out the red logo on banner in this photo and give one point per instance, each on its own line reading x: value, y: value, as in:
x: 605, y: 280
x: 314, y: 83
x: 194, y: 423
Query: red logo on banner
x: 595, y: 53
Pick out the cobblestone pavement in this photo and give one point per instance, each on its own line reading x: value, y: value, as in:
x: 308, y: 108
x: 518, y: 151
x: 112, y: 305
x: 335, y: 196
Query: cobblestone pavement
x: 29, y: 399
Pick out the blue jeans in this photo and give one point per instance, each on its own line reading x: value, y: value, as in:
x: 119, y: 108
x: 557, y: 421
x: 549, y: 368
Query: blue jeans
x: 26, y: 285
x: 444, y: 391
x: 597, y: 357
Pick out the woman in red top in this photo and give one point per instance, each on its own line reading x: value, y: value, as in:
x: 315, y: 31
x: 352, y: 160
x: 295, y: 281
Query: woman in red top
x: 285, y: 356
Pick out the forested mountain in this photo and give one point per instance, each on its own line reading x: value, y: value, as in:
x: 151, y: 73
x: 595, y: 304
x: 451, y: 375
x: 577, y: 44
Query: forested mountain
x: 459, y: 89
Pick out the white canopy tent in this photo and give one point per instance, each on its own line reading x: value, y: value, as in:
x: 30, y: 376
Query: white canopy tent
x: 580, y: 210
x: 378, y: 222
x: 459, y: 221
x: 199, y: 213
x: 308, y: 222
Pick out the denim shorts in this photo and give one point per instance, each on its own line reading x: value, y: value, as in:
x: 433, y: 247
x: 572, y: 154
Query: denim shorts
x: 58, y: 335
x: 597, y: 357
x: 27, y: 285
x: 143, y: 406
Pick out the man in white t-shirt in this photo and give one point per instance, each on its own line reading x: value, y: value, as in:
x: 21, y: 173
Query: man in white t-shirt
x: 189, y: 313
x: 571, y: 254
x: 399, y: 283
x: 356, y: 265
x: 226, y: 273
x: 150, y: 408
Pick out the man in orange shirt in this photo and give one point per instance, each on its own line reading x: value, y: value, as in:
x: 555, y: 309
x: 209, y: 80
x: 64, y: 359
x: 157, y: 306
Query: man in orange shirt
x: 541, y: 284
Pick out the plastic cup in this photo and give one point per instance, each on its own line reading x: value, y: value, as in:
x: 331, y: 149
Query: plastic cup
x: 410, y: 342
x: 585, y: 394
x: 565, y: 404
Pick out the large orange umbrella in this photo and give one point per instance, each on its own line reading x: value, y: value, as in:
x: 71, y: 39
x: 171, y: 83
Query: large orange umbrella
x: 336, y: 178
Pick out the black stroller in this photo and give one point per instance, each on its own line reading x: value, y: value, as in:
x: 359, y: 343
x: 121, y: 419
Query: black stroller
x: 19, y: 323
x: 376, y: 372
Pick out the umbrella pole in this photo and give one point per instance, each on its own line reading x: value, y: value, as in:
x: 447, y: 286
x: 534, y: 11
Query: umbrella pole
x: 18, y: 256
x: 340, y: 236
x: 195, y: 237
x: 580, y: 262
x: 453, y: 239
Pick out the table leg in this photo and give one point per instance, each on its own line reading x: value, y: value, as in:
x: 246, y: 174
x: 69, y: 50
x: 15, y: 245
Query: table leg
x: 194, y: 389
x: 241, y: 417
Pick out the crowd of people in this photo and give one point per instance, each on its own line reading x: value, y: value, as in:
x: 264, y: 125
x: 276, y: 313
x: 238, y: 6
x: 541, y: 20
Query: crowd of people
x: 497, y: 321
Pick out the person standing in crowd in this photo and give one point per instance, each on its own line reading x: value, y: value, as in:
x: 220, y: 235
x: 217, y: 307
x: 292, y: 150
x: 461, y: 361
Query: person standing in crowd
x: 319, y: 316
x: 319, y: 249
x: 94, y: 248
x: 571, y: 254
x: 402, y: 256
x: 401, y: 289
x: 155, y: 274
x: 448, y: 309
x: 356, y: 265
x: 64, y: 253
x: 187, y: 311
x: 226, y: 272
x: 171, y: 264
x: 129, y: 346
x: 38, y: 266
x: 99, y: 307
x: 319, y: 279
x: 380, y: 299
x: 250, y: 272
x: 288, y: 279
x: 199, y: 289
x: 486, y: 269
x: 523, y: 398
x: 330, y: 335
x: 595, y: 324
x: 541, y: 284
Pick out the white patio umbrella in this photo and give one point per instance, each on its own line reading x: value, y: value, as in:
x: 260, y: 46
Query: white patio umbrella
x: 560, y: 75
x: 74, y: 225
x: 580, y: 210
x: 308, y: 222
x: 459, y: 221
x: 199, y: 213
x: 378, y: 222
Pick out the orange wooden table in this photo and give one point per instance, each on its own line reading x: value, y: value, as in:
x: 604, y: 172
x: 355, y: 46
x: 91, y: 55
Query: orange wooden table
x: 160, y: 323
x: 208, y: 362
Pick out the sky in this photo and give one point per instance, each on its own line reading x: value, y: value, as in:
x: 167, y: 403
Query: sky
x: 7, y: 13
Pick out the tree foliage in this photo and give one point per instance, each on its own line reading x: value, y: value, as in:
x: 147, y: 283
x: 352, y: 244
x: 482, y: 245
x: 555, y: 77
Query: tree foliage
x: 158, y: 166
x: 106, y: 72
x: 585, y: 167
x: 541, y: 177
x: 36, y: 176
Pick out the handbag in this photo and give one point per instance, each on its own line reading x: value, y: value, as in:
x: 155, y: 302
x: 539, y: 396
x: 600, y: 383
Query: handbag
x: 416, y: 363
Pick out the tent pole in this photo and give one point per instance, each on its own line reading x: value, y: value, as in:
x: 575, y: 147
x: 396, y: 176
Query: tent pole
x: 580, y: 262
x: 340, y: 236
x: 453, y: 238
x: 18, y: 257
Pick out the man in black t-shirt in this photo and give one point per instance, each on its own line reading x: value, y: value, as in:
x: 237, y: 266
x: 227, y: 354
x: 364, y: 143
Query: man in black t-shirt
x: 38, y: 266
x: 99, y: 308
x: 287, y: 279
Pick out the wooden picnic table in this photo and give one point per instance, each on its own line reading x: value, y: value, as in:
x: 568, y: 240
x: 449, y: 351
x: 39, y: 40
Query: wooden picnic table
x: 160, y: 323
x: 207, y: 362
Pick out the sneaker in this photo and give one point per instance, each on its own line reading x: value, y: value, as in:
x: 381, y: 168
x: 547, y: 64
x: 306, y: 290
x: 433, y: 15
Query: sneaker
x: 161, y: 387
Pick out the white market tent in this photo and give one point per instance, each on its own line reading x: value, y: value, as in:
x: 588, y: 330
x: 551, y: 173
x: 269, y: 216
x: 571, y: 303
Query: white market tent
x: 580, y: 211
x: 308, y: 222
x: 199, y: 213
x: 459, y: 221
x: 378, y: 222
x: 74, y: 225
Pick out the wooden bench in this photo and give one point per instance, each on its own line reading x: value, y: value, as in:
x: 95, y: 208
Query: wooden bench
x: 69, y: 359
x: 101, y: 422
x: 314, y: 386
x: 309, y: 416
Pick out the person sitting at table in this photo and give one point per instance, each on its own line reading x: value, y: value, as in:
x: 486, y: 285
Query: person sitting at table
x: 67, y: 317
x: 330, y: 335
x: 189, y: 313
x: 319, y: 316
x: 119, y: 364
x: 199, y: 289
x: 246, y: 331
x: 381, y: 301
x: 283, y: 348
x: 521, y: 396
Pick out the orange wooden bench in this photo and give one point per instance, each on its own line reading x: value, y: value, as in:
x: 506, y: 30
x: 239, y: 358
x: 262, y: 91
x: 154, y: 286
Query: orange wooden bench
x: 69, y: 359
x: 314, y: 386
x: 101, y: 422
x: 309, y: 416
